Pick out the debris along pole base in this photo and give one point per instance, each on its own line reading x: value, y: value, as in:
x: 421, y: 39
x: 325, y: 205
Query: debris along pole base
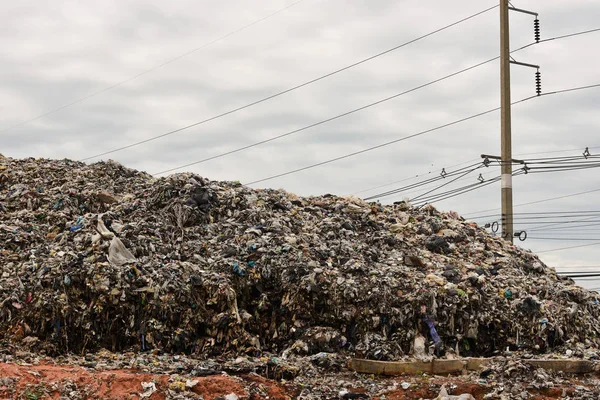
x: 443, y: 367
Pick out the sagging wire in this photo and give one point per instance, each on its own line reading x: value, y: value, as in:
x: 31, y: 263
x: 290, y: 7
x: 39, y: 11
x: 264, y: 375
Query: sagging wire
x: 523, y: 233
x: 551, y: 164
x: 443, y: 175
x: 543, y: 213
x: 447, y: 183
x: 545, y: 165
x: 466, y: 189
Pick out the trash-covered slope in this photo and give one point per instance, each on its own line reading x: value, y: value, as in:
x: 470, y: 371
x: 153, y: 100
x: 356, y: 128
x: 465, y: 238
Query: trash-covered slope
x: 103, y: 256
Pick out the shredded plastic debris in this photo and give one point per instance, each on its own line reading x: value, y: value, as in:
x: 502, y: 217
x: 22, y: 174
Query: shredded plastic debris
x: 262, y: 281
x: 184, y: 264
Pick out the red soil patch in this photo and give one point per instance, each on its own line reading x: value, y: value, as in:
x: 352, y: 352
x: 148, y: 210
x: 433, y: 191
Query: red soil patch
x: 30, y: 381
x: 117, y: 384
x: 219, y: 385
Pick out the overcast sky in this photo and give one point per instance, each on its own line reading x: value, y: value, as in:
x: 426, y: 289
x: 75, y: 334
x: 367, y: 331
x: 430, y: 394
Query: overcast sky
x: 57, y: 52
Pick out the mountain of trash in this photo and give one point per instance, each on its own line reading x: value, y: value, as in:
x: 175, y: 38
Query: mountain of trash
x: 102, y: 256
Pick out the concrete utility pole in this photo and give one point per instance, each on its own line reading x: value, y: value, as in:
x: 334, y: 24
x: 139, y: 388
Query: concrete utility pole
x: 506, y: 144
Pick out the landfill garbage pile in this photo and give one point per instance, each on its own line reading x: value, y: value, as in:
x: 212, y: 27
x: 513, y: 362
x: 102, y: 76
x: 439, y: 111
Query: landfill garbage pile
x: 102, y: 256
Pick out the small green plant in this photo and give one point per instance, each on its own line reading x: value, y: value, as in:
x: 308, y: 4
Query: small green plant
x: 31, y: 395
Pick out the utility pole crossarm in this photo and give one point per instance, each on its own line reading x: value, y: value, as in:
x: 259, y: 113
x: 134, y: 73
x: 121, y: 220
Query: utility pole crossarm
x: 525, y: 64
x: 522, y: 11
x: 515, y: 161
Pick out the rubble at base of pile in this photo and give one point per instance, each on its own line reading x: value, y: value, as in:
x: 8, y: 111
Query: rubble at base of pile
x: 181, y: 377
x: 100, y: 255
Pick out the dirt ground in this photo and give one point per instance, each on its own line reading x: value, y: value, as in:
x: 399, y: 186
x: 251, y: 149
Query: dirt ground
x: 33, y: 382
x: 49, y: 381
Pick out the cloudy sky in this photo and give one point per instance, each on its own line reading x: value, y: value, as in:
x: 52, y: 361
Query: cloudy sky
x: 56, y: 53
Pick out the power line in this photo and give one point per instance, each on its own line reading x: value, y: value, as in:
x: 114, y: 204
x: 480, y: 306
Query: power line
x: 540, y: 201
x: 581, y: 274
x: 471, y: 178
x: 555, y: 151
x: 463, y: 163
x: 106, y: 89
x: 553, y: 160
x: 562, y: 228
x: 405, y: 194
x: 357, y: 110
x: 374, y: 147
x: 418, y: 134
x: 571, y: 234
x: 578, y: 272
x: 573, y: 239
x: 575, y: 89
x: 560, y: 37
x: 570, y: 35
x: 543, y: 213
x: 564, y: 222
x: 539, y: 217
x: 525, y: 170
x: 549, y: 226
x: 521, y: 48
x: 294, y: 88
x: 537, y: 227
x: 586, y: 279
x: 433, y: 180
x: 466, y: 189
x: 306, y: 127
x: 457, y: 192
x: 425, y: 182
x: 413, y: 177
x: 325, y: 120
x: 290, y: 89
x: 568, y: 248
x: 581, y: 232
x: 447, y: 183
x: 552, y: 214
x: 554, y: 164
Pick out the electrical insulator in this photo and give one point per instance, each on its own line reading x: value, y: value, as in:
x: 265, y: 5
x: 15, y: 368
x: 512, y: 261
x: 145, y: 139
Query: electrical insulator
x: 586, y: 152
x: 536, y: 30
x: 538, y: 83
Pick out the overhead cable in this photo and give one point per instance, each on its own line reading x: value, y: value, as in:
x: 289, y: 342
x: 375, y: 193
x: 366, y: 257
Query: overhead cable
x: 447, y: 183
x: 456, y: 165
x: 541, y: 201
x: 524, y: 170
x: 300, y: 86
x: 290, y: 89
x: 418, y: 134
x: 442, y: 176
x: 323, y: 121
x: 568, y: 248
